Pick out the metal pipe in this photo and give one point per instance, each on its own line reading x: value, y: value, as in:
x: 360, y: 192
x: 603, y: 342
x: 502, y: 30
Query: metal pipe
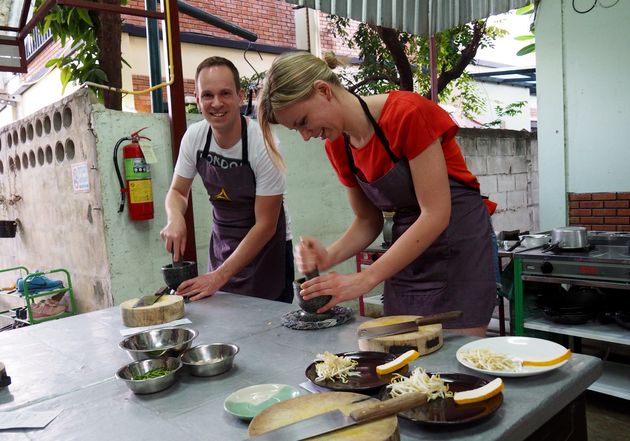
x: 153, y: 48
x: 215, y: 21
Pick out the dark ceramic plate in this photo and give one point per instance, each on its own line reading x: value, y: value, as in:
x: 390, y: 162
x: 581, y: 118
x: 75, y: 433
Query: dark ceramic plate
x: 445, y: 411
x: 369, y: 380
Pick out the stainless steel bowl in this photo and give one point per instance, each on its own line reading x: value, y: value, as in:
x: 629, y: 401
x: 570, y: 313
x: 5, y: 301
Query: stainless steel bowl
x: 209, y: 360
x: 156, y: 343
x: 150, y: 385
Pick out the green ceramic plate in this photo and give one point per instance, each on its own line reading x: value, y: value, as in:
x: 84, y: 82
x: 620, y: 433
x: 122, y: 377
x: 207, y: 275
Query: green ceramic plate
x: 248, y: 402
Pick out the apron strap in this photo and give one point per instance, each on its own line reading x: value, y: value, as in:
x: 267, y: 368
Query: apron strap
x: 379, y: 133
x: 206, y: 147
x: 244, y: 153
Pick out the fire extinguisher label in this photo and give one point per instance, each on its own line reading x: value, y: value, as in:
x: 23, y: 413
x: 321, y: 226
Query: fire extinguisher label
x: 137, y: 168
x: 140, y: 191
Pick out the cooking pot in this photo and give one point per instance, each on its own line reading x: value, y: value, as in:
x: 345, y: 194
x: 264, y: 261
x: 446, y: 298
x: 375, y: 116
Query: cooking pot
x: 534, y: 240
x: 569, y: 238
x: 8, y: 228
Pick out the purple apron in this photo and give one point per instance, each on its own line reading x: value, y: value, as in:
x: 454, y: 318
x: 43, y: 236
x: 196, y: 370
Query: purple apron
x: 457, y: 271
x: 231, y: 187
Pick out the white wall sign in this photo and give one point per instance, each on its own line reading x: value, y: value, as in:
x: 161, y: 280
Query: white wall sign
x: 80, y: 178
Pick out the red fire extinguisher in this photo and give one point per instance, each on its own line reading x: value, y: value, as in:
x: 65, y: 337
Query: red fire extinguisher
x: 138, y: 176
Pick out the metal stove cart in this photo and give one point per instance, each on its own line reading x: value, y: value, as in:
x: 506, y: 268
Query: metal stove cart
x: 604, y: 264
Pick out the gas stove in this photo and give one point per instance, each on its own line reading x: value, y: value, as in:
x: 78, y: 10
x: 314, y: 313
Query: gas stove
x: 606, y: 258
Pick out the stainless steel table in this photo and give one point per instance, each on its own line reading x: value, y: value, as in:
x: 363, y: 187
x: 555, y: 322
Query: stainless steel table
x: 70, y: 363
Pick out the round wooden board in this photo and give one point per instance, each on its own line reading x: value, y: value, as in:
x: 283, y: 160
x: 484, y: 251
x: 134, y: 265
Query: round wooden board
x: 296, y: 409
x: 426, y: 339
x: 166, y: 309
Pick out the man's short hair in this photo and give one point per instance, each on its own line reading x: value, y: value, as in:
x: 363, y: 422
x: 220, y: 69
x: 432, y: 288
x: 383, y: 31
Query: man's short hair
x: 219, y: 61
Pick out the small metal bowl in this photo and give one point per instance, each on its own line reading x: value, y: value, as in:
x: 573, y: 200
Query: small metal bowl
x: 150, y: 385
x: 209, y: 360
x: 156, y: 343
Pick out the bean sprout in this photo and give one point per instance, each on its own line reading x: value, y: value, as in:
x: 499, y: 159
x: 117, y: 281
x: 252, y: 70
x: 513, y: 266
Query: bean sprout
x: 489, y: 360
x: 332, y: 367
x: 419, y: 381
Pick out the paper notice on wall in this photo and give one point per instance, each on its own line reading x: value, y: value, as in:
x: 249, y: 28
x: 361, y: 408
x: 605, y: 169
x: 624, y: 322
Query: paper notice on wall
x: 80, y: 178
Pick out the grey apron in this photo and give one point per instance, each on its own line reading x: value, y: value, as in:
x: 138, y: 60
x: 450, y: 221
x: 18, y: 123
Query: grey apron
x: 232, y: 193
x: 457, y: 271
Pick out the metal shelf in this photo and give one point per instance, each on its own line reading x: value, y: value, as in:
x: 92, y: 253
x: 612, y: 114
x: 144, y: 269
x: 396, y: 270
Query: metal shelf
x: 572, y: 281
x: 595, y: 331
x: 615, y: 381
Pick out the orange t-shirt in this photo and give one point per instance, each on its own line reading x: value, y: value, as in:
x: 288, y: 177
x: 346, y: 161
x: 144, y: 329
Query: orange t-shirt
x: 410, y: 123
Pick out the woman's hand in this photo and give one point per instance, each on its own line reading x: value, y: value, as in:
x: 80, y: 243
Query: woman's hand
x: 202, y: 286
x: 342, y: 287
x: 311, y: 255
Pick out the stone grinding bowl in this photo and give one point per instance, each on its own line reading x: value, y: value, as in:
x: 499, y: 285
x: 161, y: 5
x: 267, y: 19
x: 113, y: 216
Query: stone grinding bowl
x: 209, y: 360
x: 175, y: 273
x: 157, y: 343
x: 149, y: 385
x: 311, y: 306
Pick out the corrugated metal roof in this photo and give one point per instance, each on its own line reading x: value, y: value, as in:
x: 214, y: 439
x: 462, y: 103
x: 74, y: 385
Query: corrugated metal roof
x: 419, y: 17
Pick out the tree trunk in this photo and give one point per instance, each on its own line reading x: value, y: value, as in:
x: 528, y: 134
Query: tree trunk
x: 395, y: 47
x: 108, y: 39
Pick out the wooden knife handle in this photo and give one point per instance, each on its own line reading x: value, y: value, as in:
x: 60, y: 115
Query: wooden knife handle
x: 438, y: 318
x: 385, y: 408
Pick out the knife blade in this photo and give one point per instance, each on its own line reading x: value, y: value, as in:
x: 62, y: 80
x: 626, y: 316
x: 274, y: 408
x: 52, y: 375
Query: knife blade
x: 336, y: 419
x: 150, y: 300
x: 410, y: 326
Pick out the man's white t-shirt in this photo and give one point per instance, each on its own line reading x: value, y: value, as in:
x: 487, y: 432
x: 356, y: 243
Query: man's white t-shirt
x: 269, y: 180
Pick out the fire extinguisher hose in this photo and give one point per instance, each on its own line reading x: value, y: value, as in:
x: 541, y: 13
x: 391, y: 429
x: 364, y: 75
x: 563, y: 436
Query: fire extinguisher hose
x: 120, y: 179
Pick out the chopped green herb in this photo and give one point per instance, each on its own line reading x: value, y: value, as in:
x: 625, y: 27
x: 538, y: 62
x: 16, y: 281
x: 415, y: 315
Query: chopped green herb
x: 153, y: 373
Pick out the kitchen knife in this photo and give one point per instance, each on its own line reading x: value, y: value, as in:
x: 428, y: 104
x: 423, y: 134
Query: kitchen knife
x: 150, y: 300
x: 336, y: 419
x: 411, y: 326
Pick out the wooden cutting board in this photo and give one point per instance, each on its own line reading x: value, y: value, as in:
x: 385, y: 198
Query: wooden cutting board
x: 296, y: 409
x: 166, y: 309
x: 426, y: 339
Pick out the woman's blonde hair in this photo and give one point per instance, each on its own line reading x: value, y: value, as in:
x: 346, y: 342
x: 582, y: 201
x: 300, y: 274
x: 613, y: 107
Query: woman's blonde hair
x: 290, y: 79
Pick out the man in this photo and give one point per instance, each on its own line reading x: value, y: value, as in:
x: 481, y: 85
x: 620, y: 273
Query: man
x: 250, y: 246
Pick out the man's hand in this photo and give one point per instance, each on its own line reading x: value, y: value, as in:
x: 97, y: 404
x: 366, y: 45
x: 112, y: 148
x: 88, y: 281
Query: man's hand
x: 174, y: 237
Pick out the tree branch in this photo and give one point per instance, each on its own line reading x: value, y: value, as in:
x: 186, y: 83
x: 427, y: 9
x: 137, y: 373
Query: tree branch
x: 392, y: 42
x: 467, y: 55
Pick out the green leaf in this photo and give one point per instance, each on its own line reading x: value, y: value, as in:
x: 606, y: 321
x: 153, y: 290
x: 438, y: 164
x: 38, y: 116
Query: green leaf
x: 52, y: 62
x: 65, y: 78
x: 85, y: 16
x: 527, y: 50
x: 525, y: 37
x: 527, y: 9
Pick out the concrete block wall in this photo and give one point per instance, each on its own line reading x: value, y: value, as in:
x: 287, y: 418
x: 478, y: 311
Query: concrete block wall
x: 58, y: 226
x: 506, y: 164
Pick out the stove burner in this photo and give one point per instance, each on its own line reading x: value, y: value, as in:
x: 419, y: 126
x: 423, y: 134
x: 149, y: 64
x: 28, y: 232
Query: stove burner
x: 555, y: 248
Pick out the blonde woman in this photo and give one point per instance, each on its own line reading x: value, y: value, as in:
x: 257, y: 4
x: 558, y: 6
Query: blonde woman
x: 392, y: 152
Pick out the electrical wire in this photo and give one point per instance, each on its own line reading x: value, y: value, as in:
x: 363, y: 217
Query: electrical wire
x: 585, y: 11
x: 171, y: 67
x: 609, y: 6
